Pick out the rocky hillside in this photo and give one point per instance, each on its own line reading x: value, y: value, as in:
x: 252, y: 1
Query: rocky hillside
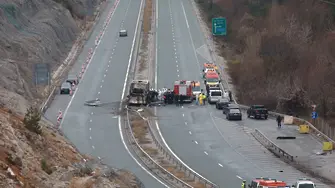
x: 36, y: 31
x: 46, y: 160
x: 284, y: 50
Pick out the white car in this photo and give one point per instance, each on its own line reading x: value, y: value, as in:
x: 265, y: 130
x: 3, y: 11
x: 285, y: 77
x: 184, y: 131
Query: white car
x: 123, y: 33
x: 304, y: 183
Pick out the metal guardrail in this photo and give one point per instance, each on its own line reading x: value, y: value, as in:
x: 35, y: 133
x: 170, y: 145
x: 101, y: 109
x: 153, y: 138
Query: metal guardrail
x: 152, y: 161
x: 271, y: 146
x: 211, y: 48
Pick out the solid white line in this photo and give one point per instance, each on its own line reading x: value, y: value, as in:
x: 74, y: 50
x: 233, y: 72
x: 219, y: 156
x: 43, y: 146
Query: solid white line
x: 182, y: 5
x: 89, y: 63
x: 189, y: 32
x: 122, y: 97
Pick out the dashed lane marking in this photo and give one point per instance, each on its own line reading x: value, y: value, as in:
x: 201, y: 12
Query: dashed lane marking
x: 93, y: 147
x: 205, y: 152
x: 101, y: 86
x: 90, y: 120
x: 90, y: 129
x: 104, y: 75
x: 90, y: 138
x: 177, y: 70
x: 196, y: 142
x: 190, y: 132
x: 220, y: 164
x: 99, y: 93
x: 91, y: 113
x: 185, y: 123
x: 183, y: 115
x: 102, y: 81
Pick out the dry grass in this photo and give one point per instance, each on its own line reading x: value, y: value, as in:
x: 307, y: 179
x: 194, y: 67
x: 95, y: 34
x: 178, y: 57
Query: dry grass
x: 140, y: 130
x: 146, y: 30
x: 151, y: 151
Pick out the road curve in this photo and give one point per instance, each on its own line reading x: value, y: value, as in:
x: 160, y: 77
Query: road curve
x: 220, y: 150
x: 95, y: 130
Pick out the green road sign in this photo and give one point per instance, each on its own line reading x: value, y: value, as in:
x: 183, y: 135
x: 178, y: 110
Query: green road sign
x: 219, y: 26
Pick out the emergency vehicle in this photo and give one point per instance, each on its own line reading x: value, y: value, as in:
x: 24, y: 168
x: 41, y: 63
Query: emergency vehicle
x: 267, y: 183
x: 196, y: 88
x: 209, y: 65
x: 183, y: 88
x: 212, y: 78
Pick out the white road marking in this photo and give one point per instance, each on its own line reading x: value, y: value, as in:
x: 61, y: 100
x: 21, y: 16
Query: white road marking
x: 182, y: 5
x: 156, y: 15
x: 106, y: 70
x: 176, y: 61
x: 122, y: 97
x: 113, y: 49
x: 177, y: 65
x: 220, y: 164
x: 91, y: 113
x: 104, y: 75
x: 205, y: 152
x: 101, y: 86
x: 99, y: 93
x: 102, y: 81
x: 182, y: 106
x: 90, y: 129
x: 190, y: 132
x: 239, y: 177
x: 178, y: 75
x: 108, y: 65
x: 109, y: 61
x: 185, y: 123
x: 196, y: 142
x: 111, y: 57
x: 177, y: 70
x: 93, y: 147
x: 99, y: 158
x: 183, y: 115
x: 90, y: 138
x: 90, y: 120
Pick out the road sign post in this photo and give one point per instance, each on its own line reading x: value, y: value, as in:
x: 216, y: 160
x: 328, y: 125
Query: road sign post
x: 219, y: 26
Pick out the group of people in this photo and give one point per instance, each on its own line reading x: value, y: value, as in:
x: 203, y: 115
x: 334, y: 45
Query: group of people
x: 200, y: 99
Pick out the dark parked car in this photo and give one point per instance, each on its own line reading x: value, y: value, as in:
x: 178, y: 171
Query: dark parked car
x: 257, y: 112
x: 227, y: 107
x: 65, y: 88
x: 221, y: 103
x: 234, y: 114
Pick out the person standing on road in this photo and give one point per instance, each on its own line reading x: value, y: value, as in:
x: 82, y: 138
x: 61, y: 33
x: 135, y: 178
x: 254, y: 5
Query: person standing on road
x: 230, y: 96
x: 243, y: 184
x: 279, y: 119
x: 204, y: 98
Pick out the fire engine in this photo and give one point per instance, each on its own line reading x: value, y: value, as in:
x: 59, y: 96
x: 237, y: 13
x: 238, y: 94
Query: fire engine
x: 183, y: 89
x: 267, y: 183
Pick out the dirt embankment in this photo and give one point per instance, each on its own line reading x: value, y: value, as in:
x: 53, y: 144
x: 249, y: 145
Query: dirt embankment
x: 48, y: 160
x: 35, y: 32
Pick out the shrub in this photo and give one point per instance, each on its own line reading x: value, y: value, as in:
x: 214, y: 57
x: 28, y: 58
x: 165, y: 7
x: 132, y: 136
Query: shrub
x: 45, y: 167
x: 31, y: 120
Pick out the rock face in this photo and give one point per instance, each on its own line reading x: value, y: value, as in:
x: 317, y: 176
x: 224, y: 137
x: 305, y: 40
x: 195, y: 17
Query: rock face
x: 36, y: 31
x: 48, y: 160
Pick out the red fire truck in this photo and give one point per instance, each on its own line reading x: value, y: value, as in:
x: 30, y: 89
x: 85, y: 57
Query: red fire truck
x: 183, y: 88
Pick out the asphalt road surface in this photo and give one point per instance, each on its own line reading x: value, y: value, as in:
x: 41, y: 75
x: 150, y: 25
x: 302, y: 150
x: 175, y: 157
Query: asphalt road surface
x: 222, y: 151
x: 95, y: 130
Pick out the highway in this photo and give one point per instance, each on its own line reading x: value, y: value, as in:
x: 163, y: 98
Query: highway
x: 220, y: 150
x: 96, y: 130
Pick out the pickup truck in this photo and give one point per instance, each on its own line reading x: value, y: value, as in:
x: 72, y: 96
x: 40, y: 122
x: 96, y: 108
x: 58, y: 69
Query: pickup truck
x: 257, y: 112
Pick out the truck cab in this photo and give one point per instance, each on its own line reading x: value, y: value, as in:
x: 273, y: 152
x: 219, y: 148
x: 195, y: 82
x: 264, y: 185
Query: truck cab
x: 214, y: 96
x: 267, y: 183
x: 196, y: 88
x: 304, y: 183
x: 212, y: 78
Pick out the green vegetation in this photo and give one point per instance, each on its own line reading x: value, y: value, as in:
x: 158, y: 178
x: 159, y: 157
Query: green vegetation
x: 31, y: 120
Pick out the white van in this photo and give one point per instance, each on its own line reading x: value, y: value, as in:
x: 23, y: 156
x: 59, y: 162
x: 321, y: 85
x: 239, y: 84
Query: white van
x: 214, y: 96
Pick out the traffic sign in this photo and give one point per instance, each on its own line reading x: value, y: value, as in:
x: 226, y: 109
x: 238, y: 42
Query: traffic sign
x: 219, y: 26
x: 314, y: 115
